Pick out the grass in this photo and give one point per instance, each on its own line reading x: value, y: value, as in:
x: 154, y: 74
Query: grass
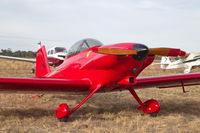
x: 106, y: 112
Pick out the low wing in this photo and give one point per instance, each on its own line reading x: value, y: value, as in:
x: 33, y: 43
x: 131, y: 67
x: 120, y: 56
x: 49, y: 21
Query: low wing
x: 169, y: 81
x: 43, y: 84
x: 18, y: 58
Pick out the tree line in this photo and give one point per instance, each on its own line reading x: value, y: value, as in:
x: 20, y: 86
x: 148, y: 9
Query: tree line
x: 18, y: 53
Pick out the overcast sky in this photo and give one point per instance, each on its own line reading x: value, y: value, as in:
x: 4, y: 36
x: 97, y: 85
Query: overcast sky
x: 156, y: 23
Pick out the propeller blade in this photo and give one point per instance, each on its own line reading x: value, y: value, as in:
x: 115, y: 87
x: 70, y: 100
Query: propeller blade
x: 152, y: 51
x: 167, y: 52
x: 115, y: 51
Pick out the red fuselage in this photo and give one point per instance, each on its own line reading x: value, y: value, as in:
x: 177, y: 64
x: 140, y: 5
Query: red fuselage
x: 100, y: 69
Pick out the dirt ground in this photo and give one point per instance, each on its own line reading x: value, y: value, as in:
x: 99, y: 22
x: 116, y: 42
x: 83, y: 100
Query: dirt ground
x: 104, y: 112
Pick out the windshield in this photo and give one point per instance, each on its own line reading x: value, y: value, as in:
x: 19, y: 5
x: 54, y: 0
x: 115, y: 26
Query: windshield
x: 60, y: 49
x: 83, y: 45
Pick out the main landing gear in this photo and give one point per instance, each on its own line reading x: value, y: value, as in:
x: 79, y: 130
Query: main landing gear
x: 151, y: 106
x: 63, y: 112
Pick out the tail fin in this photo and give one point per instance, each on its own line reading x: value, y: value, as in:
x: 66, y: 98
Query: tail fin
x: 42, y: 66
x: 165, y: 61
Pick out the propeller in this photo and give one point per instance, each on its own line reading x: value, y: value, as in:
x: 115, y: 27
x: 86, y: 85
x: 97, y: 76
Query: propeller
x: 115, y: 51
x: 151, y: 51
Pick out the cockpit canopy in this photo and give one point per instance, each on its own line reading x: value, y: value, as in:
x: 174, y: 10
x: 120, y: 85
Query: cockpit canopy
x: 83, y: 45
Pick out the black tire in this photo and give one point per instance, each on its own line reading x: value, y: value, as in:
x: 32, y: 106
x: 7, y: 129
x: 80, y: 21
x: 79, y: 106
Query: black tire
x: 65, y: 119
x: 154, y: 114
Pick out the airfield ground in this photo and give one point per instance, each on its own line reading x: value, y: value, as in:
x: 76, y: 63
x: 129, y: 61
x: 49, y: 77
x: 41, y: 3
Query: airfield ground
x: 105, y: 112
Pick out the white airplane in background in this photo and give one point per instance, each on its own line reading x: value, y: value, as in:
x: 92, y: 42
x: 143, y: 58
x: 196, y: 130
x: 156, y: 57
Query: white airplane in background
x: 55, y: 55
x: 187, y: 62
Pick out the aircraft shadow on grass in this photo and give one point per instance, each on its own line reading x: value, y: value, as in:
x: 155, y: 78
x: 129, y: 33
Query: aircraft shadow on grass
x: 24, y: 113
x: 168, y: 108
x: 186, y: 108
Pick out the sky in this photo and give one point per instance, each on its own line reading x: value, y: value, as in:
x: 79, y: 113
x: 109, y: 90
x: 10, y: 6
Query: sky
x: 155, y: 23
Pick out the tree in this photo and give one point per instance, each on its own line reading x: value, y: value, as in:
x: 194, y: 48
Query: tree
x: 18, y: 53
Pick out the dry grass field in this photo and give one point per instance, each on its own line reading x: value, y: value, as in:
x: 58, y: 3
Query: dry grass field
x: 105, y: 112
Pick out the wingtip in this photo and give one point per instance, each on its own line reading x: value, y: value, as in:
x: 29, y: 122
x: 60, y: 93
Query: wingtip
x: 182, y: 53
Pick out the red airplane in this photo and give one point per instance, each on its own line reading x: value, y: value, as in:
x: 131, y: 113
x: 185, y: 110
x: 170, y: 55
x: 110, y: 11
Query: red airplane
x: 92, y: 67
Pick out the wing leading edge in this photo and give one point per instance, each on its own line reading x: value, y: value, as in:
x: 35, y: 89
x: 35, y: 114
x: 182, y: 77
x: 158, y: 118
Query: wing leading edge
x: 18, y: 58
x: 43, y: 84
x: 169, y: 81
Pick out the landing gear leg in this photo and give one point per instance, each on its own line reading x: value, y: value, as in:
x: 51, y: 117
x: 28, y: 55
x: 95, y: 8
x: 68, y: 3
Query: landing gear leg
x: 151, y: 106
x: 63, y: 112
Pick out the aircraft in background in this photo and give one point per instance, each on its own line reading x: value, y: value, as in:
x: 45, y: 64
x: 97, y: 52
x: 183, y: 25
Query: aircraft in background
x: 187, y: 62
x: 55, y: 56
x: 91, y: 67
